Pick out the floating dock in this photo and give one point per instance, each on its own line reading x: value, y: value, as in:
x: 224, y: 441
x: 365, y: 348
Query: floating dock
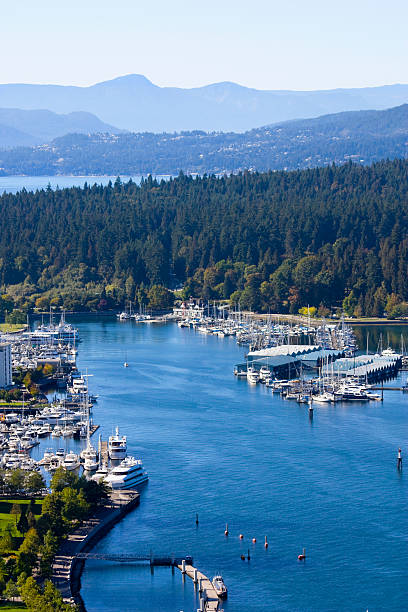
x: 205, y: 586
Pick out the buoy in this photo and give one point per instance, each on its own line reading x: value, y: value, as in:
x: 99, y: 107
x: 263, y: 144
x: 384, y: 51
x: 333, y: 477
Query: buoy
x: 253, y: 540
x: 196, y: 519
x: 241, y: 537
x: 249, y: 556
x: 226, y: 532
x: 302, y: 557
x: 266, y: 542
x: 243, y: 557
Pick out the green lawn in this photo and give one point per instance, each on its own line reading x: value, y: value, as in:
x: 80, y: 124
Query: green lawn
x: 12, y: 607
x: 8, y: 328
x: 7, y: 519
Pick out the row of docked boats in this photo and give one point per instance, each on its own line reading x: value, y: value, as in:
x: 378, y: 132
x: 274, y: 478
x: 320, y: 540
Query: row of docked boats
x: 118, y: 470
x: 263, y: 333
x: 320, y: 390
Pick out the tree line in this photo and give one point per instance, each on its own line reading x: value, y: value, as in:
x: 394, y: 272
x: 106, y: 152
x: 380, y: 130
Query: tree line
x: 277, y: 241
x: 28, y: 548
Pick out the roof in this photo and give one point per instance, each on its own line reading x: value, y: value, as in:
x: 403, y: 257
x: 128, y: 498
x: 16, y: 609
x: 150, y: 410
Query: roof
x: 283, y: 349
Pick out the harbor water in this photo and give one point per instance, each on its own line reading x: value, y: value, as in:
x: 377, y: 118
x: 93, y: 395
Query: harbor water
x: 238, y: 454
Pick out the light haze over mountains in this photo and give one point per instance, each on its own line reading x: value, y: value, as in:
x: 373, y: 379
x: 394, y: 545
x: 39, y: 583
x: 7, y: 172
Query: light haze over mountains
x: 133, y: 103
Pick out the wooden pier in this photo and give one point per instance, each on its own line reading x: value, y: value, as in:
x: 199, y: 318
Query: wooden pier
x: 104, y: 451
x: 205, y: 586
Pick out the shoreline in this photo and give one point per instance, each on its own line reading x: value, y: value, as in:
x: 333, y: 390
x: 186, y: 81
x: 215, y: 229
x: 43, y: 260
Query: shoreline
x: 67, y: 568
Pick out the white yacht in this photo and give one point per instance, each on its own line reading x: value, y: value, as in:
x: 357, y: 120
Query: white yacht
x: 91, y: 462
x: 252, y: 376
x: 129, y: 474
x: 101, y: 473
x: 70, y: 461
x: 117, y: 446
x: 219, y: 587
x: 90, y: 457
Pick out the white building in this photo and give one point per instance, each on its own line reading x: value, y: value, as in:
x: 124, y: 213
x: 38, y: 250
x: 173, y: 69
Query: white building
x: 5, y: 365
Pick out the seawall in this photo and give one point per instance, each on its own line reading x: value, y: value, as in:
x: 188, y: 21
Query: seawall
x: 67, y: 569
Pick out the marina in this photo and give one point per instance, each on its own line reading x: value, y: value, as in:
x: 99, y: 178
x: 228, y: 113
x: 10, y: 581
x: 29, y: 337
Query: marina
x: 309, y: 470
x: 192, y: 384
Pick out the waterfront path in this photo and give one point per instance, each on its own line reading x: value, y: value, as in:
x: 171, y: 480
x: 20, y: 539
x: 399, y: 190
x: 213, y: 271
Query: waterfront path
x: 66, y: 569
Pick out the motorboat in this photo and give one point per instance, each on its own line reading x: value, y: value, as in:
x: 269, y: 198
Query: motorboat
x: 252, y: 376
x: 101, y: 473
x: 90, y: 457
x: 324, y: 397
x: 48, y: 455
x: 70, y: 461
x: 44, y: 430
x: 129, y: 474
x: 219, y: 587
x: 117, y: 446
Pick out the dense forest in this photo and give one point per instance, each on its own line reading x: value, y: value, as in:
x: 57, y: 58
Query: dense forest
x: 361, y: 136
x: 276, y: 241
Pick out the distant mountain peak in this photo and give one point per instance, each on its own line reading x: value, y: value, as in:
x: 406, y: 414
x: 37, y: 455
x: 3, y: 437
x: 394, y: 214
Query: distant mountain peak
x: 126, y: 80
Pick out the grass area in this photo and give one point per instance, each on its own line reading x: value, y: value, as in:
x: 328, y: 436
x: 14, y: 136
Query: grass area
x: 8, y: 520
x: 10, y: 328
x: 12, y: 606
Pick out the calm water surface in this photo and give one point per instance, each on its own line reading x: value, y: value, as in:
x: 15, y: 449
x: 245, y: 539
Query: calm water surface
x: 12, y: 184
x: 239, y: 454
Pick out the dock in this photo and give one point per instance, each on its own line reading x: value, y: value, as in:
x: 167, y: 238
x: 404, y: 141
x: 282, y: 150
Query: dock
x: 104, y: 451
x: 205, y: 586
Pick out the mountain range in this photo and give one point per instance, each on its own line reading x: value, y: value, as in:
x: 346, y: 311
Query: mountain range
x: 30, y: 127
x: 360, y: 136
x: 134, y: 103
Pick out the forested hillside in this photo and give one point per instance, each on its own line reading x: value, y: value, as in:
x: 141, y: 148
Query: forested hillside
x: 363, y: 136
x: 275, y: 241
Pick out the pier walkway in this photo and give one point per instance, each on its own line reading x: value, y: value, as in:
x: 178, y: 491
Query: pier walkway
x: 211, y: 600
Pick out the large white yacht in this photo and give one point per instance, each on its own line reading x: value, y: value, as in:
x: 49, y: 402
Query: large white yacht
x: 129, y: 474
x: 117, y: 446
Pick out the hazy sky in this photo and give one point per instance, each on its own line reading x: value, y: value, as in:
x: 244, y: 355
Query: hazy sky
x: 267, y: 44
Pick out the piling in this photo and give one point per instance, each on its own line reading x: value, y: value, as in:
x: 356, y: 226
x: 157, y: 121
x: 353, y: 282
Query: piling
x: 195, y: 579
x: 399, y: 460
x: 183, y: 567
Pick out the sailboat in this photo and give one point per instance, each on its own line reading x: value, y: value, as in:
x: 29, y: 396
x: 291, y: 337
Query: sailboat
x: 89, y: 454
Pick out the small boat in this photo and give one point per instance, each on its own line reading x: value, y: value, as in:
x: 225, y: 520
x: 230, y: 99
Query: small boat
x: 219, y: 587
x: 126, y: 365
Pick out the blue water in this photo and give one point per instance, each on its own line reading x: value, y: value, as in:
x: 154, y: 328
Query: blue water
x: 12, y: 184
x: 239, y: 454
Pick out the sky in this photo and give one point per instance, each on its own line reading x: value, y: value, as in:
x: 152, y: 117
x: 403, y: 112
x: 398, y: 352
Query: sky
x: 265, y: 44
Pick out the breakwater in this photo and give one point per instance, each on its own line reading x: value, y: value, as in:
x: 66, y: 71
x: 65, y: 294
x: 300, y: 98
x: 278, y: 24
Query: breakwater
x: 67, y: 567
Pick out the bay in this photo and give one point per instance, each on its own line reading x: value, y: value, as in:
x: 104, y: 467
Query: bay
x: 239, y: 454
x: 12, y: 184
